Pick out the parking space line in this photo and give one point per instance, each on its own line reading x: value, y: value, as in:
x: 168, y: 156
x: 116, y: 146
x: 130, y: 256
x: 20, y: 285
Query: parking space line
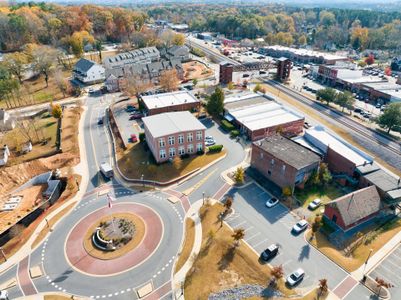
x: 286, y: 263
x: 253, y: 236
x: 233, y: 217
x: 261, y: 242
x: 239, y: 224
x: 250, y: 227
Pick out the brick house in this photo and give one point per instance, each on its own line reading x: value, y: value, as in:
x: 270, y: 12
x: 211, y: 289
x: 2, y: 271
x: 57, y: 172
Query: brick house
x: 168, y: 102
x: 284, y: 162
x: 174, y: 133
x: 353, y: 209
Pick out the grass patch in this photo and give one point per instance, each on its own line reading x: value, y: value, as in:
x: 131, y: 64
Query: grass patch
x: 137, y: 161
x: 56, y: 297
x: 312, y: 295
x: 218, y: 265
x: 359, y: 255
x: 326, y: 193
x: 42, y: 234
x: 188, y: 244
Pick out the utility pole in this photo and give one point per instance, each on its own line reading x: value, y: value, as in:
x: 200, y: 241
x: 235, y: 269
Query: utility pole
x: 203, y: 198
x: 364, y: 267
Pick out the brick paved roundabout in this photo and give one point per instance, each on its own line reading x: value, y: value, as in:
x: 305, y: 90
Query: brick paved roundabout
x: 80, y: 260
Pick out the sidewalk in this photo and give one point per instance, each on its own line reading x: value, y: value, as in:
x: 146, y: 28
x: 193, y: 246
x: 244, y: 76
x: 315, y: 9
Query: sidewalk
x: 41, y: 296
x: 377, y: 257
x: 82, y: 169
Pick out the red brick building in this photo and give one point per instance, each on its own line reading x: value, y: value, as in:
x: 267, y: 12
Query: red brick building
x: 353, y: 209
x: 283, y: 68
x: 170, y: 102
x: 174, y: 133
x: 283, y: 161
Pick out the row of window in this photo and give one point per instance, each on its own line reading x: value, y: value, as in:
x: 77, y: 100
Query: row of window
x: 181, y: 150
x: 171, y: 139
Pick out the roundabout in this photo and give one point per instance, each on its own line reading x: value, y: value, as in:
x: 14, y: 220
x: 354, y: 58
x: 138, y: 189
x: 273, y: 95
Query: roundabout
x: 85, y: 258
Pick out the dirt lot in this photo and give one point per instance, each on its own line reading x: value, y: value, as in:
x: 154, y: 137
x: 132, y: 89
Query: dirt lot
x: 13, y: 176
x: 195, y: 69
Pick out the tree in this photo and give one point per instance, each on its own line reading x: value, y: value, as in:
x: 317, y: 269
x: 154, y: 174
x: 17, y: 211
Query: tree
x: 169, y: 80
x: 239, y: 175
x: 16, y: 64
x: 370, y: 60
x: 230, y: 86
x: 61, y: 82
x: 57, y: 111
x: 44, y: 58
x: 327, y: 94
x: 238, y: 234
x: 194, y: 81
x: 345, y: 100
x: 277, y: 272
x: 215, y: 105
x: 178, y: 39
x: 390, y: 117
x: 323, y: 287
x: 99, y: 47
x: 228, y: 203
x: 177, y: 162
x: 135, y: 85
x: 317, y: 223
x: 302, y: 40
x: 324, y: 174
x: 257, y: 88
x: 381, y: 283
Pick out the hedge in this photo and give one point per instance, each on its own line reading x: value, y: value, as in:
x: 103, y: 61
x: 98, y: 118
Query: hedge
x: 234, y: 133
x: 141, y: 137
x: 215, y: 148
x: 227, y: 125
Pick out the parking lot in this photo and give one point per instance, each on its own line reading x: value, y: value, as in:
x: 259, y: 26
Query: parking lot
x: 126, y: 126
x: 390, y: 270
x: 264, y: 226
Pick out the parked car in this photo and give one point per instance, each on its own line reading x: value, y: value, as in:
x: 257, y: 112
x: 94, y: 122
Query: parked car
x: 378, y: 105
x: 91, y: 90
x: 4, y: 295
x: 315, y: 204
x: 271, y: 202
x: 357, y: 110
x: 136, y: 116
x: 300, y: 226
x: 295, y: 277
x: 100, y: 121
x: 130, y: 108
x: 269, y: 253
x: 133, y: 138
x: 210, y: 142
x: 383, y: 107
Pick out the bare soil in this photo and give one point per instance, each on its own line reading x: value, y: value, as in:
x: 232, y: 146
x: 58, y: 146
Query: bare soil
x: 195, y: 69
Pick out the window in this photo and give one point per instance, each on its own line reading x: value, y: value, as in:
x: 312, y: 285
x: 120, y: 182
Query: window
x: 190, y: 148
x: 269, y: 172
x: 171, y: 140
x: 171, y: 152
x: 199, y: 147
x: 162, y: 143
x: 272, y: 162
x: 162, y: 153
x: 190, y: 137
x: 181, y: 150
x: 261, y: 155
x: 199, y: 135
x: 181, y: 139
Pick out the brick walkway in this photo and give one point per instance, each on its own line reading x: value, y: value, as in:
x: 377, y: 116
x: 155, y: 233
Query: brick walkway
x: 184, y: 199
x: 24, y: 279
x: 345, y: 287
x: 222, y: 191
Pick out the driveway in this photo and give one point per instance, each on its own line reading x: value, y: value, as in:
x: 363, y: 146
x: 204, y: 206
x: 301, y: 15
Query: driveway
x: 264, y: 226
x: 390, y: 270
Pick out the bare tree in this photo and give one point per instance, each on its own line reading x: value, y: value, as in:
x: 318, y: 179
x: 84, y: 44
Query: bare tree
x: 323, y: 287
x: 61, y: 82
x: 238, y: 234
x: 277, y: 273
x: 44, y: 58
x: 169, y: 80
x: 135, y: 85
x: 381, y: 283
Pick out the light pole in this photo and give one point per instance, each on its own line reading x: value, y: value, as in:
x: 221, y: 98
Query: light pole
x: 203, y: 198
x: 143, y: 182
x: 2, y: 253
x: 364, y: 267
x: 47, y: 223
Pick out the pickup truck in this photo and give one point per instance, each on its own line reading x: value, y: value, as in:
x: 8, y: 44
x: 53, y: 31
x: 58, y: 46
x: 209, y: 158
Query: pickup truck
x: 106, y: 170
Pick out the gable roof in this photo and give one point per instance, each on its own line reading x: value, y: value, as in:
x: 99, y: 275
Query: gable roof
x: 84, y: 64
x: 357, y: 205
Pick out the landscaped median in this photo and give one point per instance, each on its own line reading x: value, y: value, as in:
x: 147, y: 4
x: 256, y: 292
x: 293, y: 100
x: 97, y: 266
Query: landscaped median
x: 137, y: 162
x: 220, y: 265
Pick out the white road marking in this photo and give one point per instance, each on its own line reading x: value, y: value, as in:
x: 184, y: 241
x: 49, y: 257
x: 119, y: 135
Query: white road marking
x: 253, y: 236
x: 260, y: 243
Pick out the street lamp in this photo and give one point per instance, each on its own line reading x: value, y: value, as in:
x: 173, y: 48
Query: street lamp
x: 364, y: 267
x: 143, y: 182
x: 203, y: 198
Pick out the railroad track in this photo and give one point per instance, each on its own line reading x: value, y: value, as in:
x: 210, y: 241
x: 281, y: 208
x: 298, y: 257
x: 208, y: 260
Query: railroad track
x: 367, y: 133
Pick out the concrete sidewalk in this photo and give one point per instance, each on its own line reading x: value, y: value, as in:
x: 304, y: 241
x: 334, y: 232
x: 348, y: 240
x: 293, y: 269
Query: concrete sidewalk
x: 82, y: 169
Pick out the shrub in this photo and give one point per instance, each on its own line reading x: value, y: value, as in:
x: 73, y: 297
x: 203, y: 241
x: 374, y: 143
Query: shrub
x: 227, y: 125
x: 142, y: 137
x: 215, y: 148
x: 234, y: 133
x: 197, y: 52
x: 200, y: 152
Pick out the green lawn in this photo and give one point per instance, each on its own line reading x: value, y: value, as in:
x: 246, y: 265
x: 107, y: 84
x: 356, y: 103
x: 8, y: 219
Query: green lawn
x: 137, y: 161
x: 325, y: 193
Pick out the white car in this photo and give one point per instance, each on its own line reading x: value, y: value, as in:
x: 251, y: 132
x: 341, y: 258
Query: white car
x: 209, y: 142
x: 295, y: 277
x: 271, y: 202
x: 300, y: 226
x: 209, y: 137
x: 315, y: 204
x: 4, y: 295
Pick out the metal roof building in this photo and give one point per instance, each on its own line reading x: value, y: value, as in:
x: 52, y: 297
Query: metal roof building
x: 167, y: 102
